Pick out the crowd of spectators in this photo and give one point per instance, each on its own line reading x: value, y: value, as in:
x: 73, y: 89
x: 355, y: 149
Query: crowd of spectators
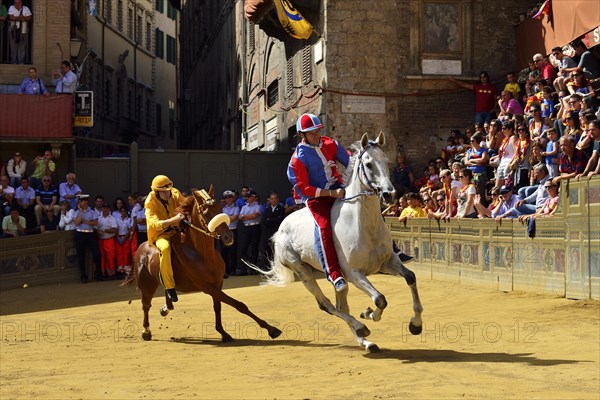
x: 113, y: 231
x: 541, y: 130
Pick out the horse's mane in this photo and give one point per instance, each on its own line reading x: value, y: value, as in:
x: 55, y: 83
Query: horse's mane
x: 355, y: 149
x: 186, y: 205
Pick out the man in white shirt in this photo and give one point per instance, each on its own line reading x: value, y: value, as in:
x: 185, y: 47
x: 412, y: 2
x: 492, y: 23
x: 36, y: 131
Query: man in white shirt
x: 19, y: 17
x: 250, y: 215
x: 107, y: 229
x: 7, y: 194
x: 65, y: 79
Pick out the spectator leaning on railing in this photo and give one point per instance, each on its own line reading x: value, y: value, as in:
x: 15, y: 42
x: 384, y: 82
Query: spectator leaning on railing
x: 593, y: 166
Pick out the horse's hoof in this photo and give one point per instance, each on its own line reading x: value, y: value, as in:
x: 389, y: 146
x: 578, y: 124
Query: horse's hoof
x: 367, y: 313
x: 373, y: 348
x: 274, y: 333
x: 147, y: 335
x: 363, y: 332
x: 227, y: 338
x: 414, y: 329
x: 164, y: 311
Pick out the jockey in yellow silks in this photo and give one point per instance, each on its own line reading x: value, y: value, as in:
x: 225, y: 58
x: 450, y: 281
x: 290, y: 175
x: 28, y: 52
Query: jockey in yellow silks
x: 162, y: 219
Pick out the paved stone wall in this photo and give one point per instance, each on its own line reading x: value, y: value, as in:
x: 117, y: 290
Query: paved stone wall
x: 369, y: 50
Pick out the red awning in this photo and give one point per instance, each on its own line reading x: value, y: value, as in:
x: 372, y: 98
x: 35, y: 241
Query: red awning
x: 36, y: 117
x: 573, y: 18
x: 568, y: 20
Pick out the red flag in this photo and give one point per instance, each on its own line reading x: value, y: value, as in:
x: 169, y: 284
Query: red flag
x: 544, y: 10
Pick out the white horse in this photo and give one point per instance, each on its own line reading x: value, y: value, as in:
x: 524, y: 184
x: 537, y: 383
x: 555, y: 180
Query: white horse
x: 362, y: 240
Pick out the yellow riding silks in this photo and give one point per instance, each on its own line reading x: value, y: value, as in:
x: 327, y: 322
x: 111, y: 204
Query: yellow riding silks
x: 292, y: 21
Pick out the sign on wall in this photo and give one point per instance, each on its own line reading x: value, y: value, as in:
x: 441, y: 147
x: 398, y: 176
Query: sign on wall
x: 352, y: 104
x: 84, y: 109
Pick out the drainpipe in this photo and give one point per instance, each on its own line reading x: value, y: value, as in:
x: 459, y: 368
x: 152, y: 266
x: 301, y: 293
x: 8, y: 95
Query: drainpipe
x: 103, y: 61
x: 244, y: 94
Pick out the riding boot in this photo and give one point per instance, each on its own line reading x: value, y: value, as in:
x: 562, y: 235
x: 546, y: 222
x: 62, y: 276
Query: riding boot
x: 172, y: 295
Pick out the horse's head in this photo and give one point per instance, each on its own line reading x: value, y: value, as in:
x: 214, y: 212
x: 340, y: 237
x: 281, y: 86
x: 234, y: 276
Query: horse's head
x: 208, y: 213
x: 372, y: 167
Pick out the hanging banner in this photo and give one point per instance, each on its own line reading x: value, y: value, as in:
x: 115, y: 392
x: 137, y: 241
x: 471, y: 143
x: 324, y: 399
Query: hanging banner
x: 292, y: 21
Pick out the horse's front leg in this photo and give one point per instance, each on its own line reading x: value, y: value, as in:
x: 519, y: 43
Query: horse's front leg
x: 226, y: 337
x: 361, y: 282
x: 395, y: 267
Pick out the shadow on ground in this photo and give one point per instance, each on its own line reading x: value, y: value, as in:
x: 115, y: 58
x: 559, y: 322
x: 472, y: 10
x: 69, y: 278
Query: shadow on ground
x: 412, y: 356
x: 74, y: 294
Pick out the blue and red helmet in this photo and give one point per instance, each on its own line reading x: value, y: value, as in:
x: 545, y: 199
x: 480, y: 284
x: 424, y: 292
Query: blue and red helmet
x: 307, y: 123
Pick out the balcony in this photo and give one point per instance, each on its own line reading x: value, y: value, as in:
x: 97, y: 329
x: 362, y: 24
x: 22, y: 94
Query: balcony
x: 29, y: 118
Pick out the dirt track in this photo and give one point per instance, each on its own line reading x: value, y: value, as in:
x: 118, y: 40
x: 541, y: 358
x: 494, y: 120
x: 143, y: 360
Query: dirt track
x: 83, y: 341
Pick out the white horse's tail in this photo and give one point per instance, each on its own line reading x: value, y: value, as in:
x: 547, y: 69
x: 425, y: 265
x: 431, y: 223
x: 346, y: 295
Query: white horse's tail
x: 279, y: 274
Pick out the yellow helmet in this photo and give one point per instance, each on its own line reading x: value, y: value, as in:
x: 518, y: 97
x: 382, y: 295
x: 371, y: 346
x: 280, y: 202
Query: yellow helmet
x: 161, y: 183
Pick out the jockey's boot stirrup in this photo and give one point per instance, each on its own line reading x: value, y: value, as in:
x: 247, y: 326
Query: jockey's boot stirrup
x: 172, y: 295
x: 340, y: 285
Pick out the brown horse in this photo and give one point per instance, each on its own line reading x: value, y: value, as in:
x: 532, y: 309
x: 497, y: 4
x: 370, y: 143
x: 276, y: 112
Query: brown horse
x: 197, y: 267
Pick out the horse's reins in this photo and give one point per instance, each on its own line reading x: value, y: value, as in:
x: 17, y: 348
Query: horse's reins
x: 208, y: 200
x: 361, y: 169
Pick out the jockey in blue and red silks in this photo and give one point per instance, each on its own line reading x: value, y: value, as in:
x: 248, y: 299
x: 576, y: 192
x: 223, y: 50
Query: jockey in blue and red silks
x: 313, y: 172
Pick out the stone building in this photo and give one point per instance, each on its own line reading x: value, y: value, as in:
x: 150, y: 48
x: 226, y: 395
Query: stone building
x: 125, y: 51
x: 49, y: 43
x: 132, y: 71
x: 369, y: 66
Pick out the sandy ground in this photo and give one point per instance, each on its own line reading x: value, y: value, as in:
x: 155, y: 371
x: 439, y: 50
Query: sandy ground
x: 83, y: 341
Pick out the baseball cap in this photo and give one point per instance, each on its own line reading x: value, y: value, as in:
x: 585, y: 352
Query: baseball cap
x: 505, y: 189
x: 83, y: 196
x: 228, y: 193
x: 252, y: 193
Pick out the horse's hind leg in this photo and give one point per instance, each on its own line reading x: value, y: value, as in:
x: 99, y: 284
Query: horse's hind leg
x: 359, y: 329
x: 219, y: 296
x: 361, y: 282
x: 226, y: 337
x: 395, y: 267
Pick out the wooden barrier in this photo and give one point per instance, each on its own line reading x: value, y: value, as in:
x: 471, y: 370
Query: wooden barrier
x: 38, y: 259
x: 562, y: 259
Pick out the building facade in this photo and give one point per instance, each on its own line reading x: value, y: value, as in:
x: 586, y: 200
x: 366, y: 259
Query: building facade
x: 366, y: 68
x: 48, y: 42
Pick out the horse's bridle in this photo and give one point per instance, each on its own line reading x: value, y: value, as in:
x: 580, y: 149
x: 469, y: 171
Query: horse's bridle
x: 201, y: 208
x: 361, y: 173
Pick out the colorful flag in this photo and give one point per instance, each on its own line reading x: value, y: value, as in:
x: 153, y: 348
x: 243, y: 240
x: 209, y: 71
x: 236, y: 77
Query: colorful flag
x: 292, y: 21
x: 544, y: 10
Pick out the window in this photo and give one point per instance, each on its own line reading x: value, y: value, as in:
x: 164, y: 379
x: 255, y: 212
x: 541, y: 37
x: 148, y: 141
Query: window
x: 160, y: 6
x: 171, y: 12
x: 251, y: 37
x: 289, y: 77
x: 139, y: 27
x: 273, y: 93
x: 171, y: 50
x: 160, y: 44
x: 120, y: 15
x: 130, y: 20
x: 109, y: 11
x: 306, y: 64
x: 148, y: 34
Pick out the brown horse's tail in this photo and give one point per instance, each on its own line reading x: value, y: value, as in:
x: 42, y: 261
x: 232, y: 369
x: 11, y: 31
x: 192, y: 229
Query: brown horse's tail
x: 129, y: 278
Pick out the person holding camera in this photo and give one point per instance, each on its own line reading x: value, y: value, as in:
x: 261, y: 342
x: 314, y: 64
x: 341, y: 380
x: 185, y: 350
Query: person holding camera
x: 19, y: 17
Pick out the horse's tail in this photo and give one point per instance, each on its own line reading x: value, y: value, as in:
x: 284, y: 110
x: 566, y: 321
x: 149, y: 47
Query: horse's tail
x: 279, y: 274
x: 130, y: 277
